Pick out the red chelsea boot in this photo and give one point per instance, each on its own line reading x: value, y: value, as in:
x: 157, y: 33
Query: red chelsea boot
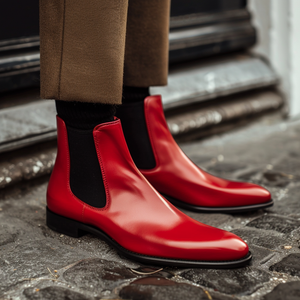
x: 184, y: 184
x: 136, y: 220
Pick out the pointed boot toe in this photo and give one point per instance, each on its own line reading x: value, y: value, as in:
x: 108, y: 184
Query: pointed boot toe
x: 220, y: 245
x: 258, y: 194
x: 236, y: 247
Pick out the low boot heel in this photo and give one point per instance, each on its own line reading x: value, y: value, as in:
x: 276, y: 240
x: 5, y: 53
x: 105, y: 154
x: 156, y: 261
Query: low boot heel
x: 63, y: 225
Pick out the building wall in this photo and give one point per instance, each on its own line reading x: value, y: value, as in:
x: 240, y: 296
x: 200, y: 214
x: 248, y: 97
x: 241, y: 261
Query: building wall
x: 278, y: 24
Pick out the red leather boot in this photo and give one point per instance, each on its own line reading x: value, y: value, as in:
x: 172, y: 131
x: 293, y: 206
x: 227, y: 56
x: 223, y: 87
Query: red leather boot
x: 180, y: 181
x: 136, y: 220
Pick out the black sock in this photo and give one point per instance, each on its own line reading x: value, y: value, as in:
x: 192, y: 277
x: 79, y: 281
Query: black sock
x: 133, y: 121
x: 83, y: 115
x: 86, y: 180
x: 134, y: 94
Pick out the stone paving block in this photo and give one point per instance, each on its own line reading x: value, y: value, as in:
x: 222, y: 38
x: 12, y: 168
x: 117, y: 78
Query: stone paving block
x: 166, y: 272
x: 288, y: 202
x: 248, y: 173
x: 289, y: 265
x: 96, y: 275
x: 286, y: 291
x: 279, y: 224
x: 244, y: 281
x: 54, y: 293
x: 8, y: 234
x: 275, y: 178
x: 289, y: 166
x: 260, y: 255
x: 31, y: 259
x: 16, y: 231
x: 260, y: 238
x: 163, y: 289
x: 2, y: 263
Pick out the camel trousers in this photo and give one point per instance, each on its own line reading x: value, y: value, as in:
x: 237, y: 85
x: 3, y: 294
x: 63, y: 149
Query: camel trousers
x: 91, y: 48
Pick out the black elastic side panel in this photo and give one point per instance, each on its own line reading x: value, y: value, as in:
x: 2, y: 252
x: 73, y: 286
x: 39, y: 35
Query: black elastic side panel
x: 136, y: 134
x: 85, y: 175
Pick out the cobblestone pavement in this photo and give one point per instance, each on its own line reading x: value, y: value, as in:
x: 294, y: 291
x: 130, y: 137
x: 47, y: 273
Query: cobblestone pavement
x: 37, y: 263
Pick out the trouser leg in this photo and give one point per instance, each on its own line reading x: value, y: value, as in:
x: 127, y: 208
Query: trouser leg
x: 147, y: 43
x: 82, y: 49
x: 147, y: 48
x: 146, y: 64
x: 82, y: 62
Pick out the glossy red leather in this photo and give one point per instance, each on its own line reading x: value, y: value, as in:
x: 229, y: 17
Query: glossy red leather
x: 135, y: 215
x: 176, y: 176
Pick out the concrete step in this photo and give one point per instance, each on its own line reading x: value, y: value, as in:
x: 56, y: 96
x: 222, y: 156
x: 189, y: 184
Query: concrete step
x: 201, y: 80
x: 27, y: 124
x: 190, y: 124
x: 196, y: 119
x: 192, y: 83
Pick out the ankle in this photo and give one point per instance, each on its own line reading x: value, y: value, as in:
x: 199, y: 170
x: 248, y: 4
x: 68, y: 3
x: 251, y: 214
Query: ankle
x: 134, y: 94
x: 135, y: 130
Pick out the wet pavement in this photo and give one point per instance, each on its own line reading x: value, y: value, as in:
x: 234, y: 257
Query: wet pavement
x: 37, y: 263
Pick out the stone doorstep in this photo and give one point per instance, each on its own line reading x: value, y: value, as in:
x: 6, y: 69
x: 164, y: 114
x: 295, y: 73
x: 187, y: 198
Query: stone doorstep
x: 190, y: 83
x: 198, y: 81
x: 39, y: 162
x: 30, y: 124
x: 240, y: 107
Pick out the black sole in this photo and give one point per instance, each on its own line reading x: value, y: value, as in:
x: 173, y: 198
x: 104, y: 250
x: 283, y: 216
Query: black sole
x: 77, y: 229
x: 226, y: 210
